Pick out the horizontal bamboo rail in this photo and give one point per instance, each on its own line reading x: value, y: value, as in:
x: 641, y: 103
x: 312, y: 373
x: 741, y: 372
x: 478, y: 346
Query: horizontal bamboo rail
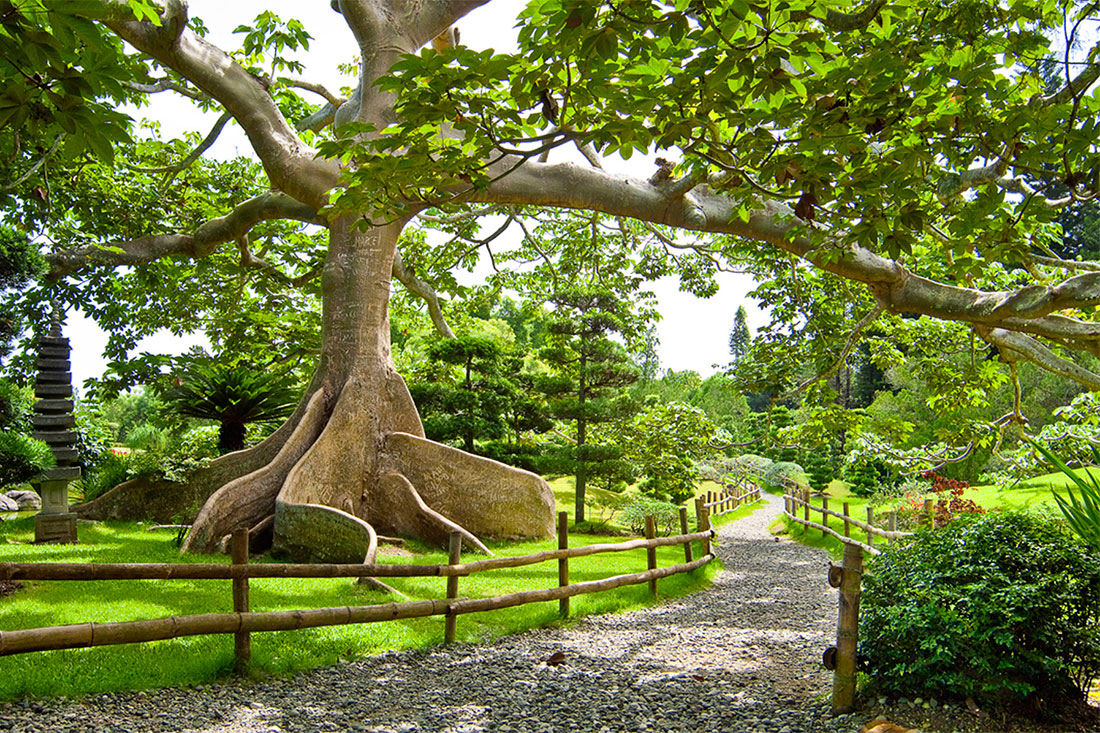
x: 791, y: 502
x: 205, y: 571
x: 127, y: 632
x: 242, y: 622
x: 885, y: 533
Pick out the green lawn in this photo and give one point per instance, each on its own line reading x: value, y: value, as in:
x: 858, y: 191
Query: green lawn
x: 201, y: 659
x: 1034, y: 495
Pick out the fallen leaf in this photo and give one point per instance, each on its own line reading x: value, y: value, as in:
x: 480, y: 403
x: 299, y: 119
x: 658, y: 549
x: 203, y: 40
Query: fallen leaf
x: 555, y: 659
x: 885, y: 726
x: 698, y: 677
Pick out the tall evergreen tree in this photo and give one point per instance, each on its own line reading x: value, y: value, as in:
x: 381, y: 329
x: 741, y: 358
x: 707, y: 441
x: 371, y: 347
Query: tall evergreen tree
x: 740, y: 338
x: 594, y: 369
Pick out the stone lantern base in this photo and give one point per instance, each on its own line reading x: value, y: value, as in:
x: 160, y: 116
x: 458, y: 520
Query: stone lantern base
x: 55, y: 528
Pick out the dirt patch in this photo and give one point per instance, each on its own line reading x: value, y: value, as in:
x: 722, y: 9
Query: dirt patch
x: 8, y: 587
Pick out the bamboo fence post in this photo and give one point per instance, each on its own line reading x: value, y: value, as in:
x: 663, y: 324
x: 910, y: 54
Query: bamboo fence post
x: 930, y: 513
x: 684, y: 530
x: 847, y: 524
x: 242, y: 640
x: 870, y: 523
x: 651, y: 552
x: 824, y: 516
x: 702, y: 524
x: 847, y: 630
x: 563, y: 563
x: 454, y: 557
x: 806, y: 503
x: 893, y: 524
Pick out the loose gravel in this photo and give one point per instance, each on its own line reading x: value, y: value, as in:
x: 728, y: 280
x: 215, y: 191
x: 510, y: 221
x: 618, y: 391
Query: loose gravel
x: 743, y: 655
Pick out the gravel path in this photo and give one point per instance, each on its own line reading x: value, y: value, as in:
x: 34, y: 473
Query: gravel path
x: 743, y: 655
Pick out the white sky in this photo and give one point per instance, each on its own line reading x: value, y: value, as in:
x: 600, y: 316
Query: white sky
x: 694, y: 333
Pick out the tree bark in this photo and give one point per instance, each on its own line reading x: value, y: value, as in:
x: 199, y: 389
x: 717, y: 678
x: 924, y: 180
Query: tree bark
x: 343, y: 473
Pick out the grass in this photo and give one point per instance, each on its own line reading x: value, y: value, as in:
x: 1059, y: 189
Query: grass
x: 1032, y: 496
x: 201, y: 659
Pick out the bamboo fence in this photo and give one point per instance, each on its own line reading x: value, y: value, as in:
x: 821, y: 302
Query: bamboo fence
x: 242, y: 622
x: 744, y: 490
x: 795, y: 497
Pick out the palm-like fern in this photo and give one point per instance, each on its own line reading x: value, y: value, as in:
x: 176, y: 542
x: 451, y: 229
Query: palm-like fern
x: 232, y: 393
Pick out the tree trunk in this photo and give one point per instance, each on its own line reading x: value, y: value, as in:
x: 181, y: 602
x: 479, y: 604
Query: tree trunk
x: 354, y: 460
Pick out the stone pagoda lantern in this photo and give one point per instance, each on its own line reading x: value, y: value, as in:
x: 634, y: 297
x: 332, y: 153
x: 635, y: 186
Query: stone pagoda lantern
x: 53, y: 424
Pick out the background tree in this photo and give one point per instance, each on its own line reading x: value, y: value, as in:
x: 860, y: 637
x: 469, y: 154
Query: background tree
x: 740, y: 338
x: 667, y: 441
x: 595, y: 371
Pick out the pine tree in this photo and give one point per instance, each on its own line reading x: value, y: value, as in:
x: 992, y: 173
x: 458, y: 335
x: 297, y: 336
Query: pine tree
x: 593, y: 372
x: 740, y: 338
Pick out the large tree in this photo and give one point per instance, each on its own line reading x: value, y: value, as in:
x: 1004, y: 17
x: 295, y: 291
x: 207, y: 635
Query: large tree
x: 897, y: 146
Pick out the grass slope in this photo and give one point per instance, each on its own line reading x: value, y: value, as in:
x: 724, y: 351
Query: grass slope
x: 1032, y: 496
x: 200, y: 659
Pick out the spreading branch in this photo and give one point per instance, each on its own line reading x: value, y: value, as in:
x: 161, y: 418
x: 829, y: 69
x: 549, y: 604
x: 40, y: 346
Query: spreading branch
x: 425, y: 292
x: 290, y: 164
x: 201, y: 243
x: 202, y: 147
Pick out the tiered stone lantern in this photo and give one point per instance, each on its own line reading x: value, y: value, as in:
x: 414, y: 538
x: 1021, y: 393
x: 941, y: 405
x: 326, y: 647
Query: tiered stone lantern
x: 53, y: 424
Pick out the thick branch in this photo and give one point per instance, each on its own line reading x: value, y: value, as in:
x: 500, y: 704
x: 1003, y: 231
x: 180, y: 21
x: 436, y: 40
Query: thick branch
x: 1035, y: 352
x: 422, y: 290
x: 289, y: 162
x: 201, y: 243
x: 1078, y: 85
x: 1028, y: 309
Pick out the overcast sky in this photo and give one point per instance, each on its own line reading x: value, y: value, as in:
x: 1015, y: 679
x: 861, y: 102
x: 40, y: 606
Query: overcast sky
x: 693, y: 332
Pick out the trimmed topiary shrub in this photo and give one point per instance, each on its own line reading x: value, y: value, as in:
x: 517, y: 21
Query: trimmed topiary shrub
x: 782, y: 474
x: 1004, y: 608
x: 752, y: 463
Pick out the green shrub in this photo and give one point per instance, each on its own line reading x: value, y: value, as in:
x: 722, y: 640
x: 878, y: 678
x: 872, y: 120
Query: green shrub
x: 22, y: 457
x: 1004, y: 608
x: 783, y: 474
x: 666, y: 513
x: 752, y: 463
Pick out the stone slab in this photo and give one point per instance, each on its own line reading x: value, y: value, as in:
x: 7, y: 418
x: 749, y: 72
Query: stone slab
x: 48, y: 422
x: 55, y: 437
x: 53, y: 407
x: 55, y: 378
x: 53, y: 390
x: 53, y: 365
x: 316, y: 533
x: 55, y: 528
x: 54, y: 352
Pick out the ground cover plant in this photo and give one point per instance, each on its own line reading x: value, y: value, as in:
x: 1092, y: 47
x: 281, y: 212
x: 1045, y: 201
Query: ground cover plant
x: 1002, y: 608
x: 196, y: 660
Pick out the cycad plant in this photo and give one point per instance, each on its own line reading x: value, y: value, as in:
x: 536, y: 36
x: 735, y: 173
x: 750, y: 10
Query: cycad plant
x: 1082, y: 507
x: 231, y: 392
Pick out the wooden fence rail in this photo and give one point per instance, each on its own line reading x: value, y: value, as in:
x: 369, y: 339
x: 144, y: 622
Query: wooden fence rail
x: 746, y: 490
x: 242, y: 622
x: 792, y: 501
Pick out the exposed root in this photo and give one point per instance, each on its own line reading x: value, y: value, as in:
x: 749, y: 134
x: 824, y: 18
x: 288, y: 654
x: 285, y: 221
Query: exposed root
x: 247, y: 500
x: 402, y: 507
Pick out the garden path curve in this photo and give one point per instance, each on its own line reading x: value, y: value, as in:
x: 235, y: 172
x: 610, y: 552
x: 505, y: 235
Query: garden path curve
x: 743, y: 655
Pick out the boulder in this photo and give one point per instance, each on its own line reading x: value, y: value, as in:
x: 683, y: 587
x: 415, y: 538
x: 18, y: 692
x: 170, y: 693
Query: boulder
x: 25, y: 500
x: 8, y: 505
